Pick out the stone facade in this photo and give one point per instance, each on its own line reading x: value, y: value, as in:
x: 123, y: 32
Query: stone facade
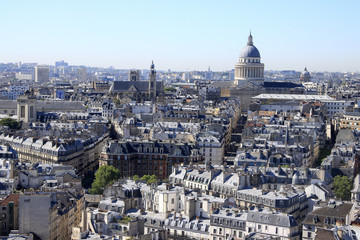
x: 49, y: 215
x: 147, y: 158
x: 81, y: 154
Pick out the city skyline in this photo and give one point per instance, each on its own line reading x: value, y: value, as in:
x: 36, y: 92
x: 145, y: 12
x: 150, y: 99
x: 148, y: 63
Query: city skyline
x: 182, y: 37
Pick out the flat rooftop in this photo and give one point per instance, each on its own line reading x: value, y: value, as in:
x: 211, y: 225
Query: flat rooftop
x: 293, y: 97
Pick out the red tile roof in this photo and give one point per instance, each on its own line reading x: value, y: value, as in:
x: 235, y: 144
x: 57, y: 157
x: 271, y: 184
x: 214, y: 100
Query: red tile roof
x: 11, y: 198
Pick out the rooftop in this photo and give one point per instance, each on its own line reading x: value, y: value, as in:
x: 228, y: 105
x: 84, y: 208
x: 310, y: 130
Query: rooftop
x: 293, y: 97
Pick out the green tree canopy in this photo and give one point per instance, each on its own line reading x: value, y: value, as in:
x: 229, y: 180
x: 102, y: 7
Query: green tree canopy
x: 170, y: 89
x: 116, y: 101
x: 149, y: 178
x: 136, y: 178
x: 11, y: 123
x: 105, y: 176
x: 342, y: 187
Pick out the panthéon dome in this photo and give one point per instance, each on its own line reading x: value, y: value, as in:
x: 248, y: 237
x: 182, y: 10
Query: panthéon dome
x: 250, y: 51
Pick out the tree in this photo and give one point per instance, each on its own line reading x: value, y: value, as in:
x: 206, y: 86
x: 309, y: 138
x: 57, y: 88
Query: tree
x: 106, y: 175
x: 169, y: 89
x: 136, y: 178
x: 116, y: 101
x: 323, y: 154
x: 149, y: 179
x: 342, y: 187
x: 11, y: 123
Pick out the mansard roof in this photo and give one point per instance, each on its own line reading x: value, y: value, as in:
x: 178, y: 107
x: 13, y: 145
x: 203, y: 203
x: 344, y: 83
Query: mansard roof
x: 134, y: 147
x: 281, y: 219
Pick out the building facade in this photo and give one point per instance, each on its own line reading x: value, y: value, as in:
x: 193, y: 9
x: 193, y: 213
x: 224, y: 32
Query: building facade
x: 147, y: 158
x: 26, y: 107
x: 42, y: 73
x: 49, y: 215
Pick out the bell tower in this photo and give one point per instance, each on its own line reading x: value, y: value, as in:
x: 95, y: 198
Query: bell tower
x: 152, y: 82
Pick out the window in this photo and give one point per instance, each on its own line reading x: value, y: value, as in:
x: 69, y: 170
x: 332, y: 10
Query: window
x: 31, y: 111
x: 172, y: 201
x: 259, y: 227
x: 22, y: 111
x: 214, y: 230
x: 276, y: 230
x: 309, y: 235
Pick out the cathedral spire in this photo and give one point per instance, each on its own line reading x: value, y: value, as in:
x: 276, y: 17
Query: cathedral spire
x: 250, y: 39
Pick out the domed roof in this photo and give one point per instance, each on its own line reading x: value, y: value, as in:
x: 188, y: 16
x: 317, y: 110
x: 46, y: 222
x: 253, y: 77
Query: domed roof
x: 305, y: 73
x: 250, y: 50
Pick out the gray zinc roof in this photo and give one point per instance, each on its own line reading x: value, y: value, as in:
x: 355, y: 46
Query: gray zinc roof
x: 280, y: 219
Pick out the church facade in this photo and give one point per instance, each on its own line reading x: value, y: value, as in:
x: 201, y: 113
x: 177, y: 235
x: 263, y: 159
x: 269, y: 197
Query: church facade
x: 138, y: 90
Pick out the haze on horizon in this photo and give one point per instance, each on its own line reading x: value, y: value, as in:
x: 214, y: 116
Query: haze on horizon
x: 182, y: 35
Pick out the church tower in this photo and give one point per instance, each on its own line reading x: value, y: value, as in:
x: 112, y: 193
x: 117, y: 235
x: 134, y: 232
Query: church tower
x: 249, y: 68
x: 152, y: 82
x: 134, y: 75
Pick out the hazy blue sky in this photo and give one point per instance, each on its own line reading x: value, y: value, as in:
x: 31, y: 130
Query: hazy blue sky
x: 182, y: 35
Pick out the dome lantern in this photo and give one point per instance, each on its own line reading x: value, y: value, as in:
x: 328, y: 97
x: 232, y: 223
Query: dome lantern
x: 250, y: 40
